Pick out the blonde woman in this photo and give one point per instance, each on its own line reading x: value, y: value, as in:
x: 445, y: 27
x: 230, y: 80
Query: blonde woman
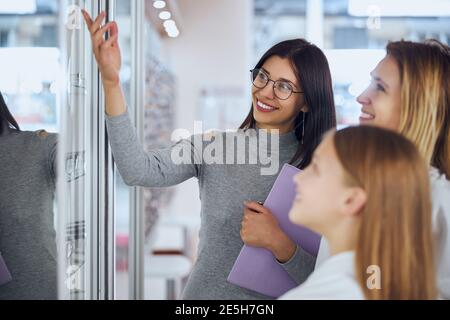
x: 367, y: 192
x: 410, y: 93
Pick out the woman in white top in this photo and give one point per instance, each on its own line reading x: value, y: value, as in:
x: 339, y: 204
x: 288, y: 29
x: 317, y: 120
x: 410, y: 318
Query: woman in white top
x: 410, y: 93
x: 367, y: 192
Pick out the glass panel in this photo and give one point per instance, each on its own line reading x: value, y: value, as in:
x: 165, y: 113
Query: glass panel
x: 123, y: 18
x: 76, y: 185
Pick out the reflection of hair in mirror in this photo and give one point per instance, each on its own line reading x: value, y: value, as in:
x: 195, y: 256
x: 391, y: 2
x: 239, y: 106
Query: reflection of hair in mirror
x: 7, y: 121
x: 425, y: 99
x: 395, y: 229
x: 313, y: 73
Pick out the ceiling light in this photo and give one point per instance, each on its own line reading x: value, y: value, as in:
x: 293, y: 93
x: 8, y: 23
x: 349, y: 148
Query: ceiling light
x: 159, y: 4
x: 169, y: 23
x: 173, y: 34
x: 165, y: 15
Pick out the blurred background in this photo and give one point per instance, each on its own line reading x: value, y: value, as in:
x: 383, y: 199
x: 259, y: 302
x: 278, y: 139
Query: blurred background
x: 183, y: 60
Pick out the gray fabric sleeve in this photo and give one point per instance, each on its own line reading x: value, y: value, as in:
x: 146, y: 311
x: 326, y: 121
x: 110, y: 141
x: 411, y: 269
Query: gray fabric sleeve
x: 47, y: 143
x: 154, y: 168
x: 52, y: 143
x: 300, y: 266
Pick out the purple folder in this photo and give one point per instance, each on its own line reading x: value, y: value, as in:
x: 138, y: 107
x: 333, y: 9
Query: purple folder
x: 256, y: 268
x: 5, y: 276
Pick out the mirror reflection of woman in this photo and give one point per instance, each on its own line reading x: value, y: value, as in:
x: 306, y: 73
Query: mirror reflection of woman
x: 27, y: 234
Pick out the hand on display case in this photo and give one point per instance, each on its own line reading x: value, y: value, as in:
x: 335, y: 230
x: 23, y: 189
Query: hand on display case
x: 106, y: 51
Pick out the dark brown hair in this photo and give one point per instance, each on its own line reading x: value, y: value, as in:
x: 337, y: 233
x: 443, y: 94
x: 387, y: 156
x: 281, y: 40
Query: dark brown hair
x: 7, y: 121
x: 313, y: 73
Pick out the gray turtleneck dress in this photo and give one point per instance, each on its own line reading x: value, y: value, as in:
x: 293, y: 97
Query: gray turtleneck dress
x: 223, y: 189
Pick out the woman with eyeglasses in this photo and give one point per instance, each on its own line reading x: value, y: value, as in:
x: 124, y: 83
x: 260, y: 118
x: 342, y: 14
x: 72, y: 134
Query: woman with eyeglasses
x: 292, y: 106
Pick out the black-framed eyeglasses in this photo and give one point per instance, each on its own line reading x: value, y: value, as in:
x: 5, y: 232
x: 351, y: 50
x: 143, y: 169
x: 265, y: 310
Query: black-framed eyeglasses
x: 282, y: 89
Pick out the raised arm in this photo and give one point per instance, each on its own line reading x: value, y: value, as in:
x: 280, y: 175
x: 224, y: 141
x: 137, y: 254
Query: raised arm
x: 137, y: 167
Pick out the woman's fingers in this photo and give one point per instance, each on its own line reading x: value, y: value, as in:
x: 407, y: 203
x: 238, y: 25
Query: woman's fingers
x: 255, y: 206
x: 114, y: 30
x: 97, y: 23
x: 243, y: 232
x: 87, y: 18
x: 98, y: 37
x: 247, y: 221
x: 94, y: 26
x: 97, y: 32
x: 110, y: 42
x: 248, y: 213
x: 113, y: 35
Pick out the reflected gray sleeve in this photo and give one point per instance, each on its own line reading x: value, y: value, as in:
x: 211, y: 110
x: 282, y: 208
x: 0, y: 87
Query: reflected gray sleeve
x: 52, y: 146
x: 154, y: 168
x: 300, y: 266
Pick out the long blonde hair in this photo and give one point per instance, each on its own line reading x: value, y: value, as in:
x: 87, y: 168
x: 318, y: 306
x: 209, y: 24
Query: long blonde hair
x: 395, y: 231
x: 425, y: 98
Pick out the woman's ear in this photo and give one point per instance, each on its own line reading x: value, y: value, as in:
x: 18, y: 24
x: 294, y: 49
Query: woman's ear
x: 355, y: 200
x: 304, y: 108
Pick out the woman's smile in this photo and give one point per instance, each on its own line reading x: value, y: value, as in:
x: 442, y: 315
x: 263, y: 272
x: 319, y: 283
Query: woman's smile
x: 366, y: 116
x: 264, y: 107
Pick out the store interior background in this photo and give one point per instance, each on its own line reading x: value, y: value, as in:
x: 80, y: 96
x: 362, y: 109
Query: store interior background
x: 197, y: 69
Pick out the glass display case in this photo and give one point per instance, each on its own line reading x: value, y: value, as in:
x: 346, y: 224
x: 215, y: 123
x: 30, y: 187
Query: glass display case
x: 30, y: 29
